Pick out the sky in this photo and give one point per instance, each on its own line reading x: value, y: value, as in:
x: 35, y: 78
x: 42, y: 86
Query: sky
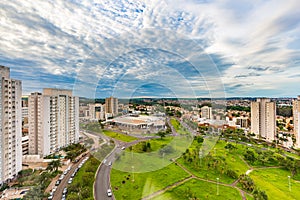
x: 142, y: 48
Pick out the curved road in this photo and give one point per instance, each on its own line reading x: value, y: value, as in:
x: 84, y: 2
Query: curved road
x: 102, y: 182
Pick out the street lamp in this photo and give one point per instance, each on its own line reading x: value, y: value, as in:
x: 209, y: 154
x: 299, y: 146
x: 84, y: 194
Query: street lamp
x: 289, y: 178
x: 218, y: 186
x: 200, y: 157
x: 132, y: 173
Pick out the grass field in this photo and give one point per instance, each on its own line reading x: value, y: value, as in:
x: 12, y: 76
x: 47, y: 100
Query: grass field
x: 275, y: 183
x: 201, y: 190
x: 83, y: 182
x: 119, y: 136
x: 155, y: 144
x: 178, y: 127
x: 144, y: 183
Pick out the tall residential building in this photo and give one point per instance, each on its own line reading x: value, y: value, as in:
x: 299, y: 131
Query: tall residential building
x: 53, y: 120
x: 111, y: 106
x: 96, y: 111
x: 296, y: 115
x: 263, y: 118
x: 206, y: 112
x: 10, y: 126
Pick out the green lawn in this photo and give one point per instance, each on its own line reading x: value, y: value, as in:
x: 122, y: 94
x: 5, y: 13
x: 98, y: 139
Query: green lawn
x: 144, y: 183
x: 231, y: 158
x: 178, y: 127
x: 83, y: 182
x: 102, y: 152
x: 200, y: 190
x: 155, y: 144
x: 248, y: 197
x: 119, y: 136
x: 275, y: 183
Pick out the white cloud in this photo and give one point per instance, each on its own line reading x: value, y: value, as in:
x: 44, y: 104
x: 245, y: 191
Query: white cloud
x: 66, y: 38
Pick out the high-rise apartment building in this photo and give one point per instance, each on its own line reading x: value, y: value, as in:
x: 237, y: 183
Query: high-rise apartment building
x: 10, y: 126
x: 111, y: 106
x: 53, y: 120
x: 296, y: 115
x: 96, y: 111
x: 206, y: 112
x: 263, y: 118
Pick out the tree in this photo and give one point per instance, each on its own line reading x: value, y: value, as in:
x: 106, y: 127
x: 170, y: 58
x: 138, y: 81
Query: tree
x: 250, y: 156
x: 162, y: 134
x: 54, y: 165
x: 260, y: 195
x: 230, y: 146
x: 292, y: 165
x: 246, y: 182
x: 71, y: 155
x: 36, y: 193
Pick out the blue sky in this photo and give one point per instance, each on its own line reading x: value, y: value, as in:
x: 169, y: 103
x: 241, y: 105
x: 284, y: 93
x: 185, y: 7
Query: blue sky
x: 171, y: 48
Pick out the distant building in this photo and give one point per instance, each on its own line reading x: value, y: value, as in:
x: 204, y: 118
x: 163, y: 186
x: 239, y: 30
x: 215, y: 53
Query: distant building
x: 96, y: 111
x: 10, y: 126
x: 206, y: 112
x: 25, y: 138
x: 25, y: 145
x: 263, y: 118
x: 296, y: 115
x: 242, y: 122
x: 53, y: 121
x: 111, y: 106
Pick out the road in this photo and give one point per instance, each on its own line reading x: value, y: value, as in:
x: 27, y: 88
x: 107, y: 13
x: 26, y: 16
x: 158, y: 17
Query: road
x: 64, y: 182
x: 102, y: 182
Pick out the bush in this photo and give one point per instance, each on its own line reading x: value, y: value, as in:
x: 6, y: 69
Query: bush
x: 231, y: 173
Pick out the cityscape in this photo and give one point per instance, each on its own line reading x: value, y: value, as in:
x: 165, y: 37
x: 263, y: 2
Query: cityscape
x: 160, y: 100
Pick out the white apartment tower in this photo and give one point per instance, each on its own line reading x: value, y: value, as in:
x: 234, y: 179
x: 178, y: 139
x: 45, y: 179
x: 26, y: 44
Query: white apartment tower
x: 206, y: 112
x: 96, y: 111
x: 10, y: 126
x: 111, y: 106
x: 296, y: 115
x: 263, y: 118
x: 53, y: 121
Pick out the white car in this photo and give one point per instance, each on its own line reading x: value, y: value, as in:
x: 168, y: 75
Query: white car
x: 104, y: 161
x: 109, y: 193
x: 61, y: 177
x: 70, y: 180
x: 123, y: 148
x: 109, y: 164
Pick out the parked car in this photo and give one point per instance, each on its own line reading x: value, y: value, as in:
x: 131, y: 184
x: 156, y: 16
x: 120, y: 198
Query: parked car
x: 109, y: 193
x: 57, y: 183
x: 65, y: 191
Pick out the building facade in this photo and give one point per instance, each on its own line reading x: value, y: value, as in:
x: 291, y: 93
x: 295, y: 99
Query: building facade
x: 263, y: 119
x: 111, y: 106
x: 96, y: 111
x: 206, y: 112
x: 10, y: 126
x: 296, y: 115
x: 53, y: 121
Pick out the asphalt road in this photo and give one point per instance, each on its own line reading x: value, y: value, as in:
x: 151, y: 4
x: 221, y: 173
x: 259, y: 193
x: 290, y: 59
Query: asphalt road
x: 102, y: 182
x: 64, y: 183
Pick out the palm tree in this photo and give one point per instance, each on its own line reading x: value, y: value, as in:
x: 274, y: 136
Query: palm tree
x: 54, y: 165
x: 71, y: 155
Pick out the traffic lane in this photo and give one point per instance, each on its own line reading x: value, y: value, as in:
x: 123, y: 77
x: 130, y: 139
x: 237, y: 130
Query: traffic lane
x: 103, y: 176
x: 101, y: 190
x: 64, y: 182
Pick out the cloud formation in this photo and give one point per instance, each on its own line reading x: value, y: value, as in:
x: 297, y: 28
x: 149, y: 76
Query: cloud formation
x: 153, y: 48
